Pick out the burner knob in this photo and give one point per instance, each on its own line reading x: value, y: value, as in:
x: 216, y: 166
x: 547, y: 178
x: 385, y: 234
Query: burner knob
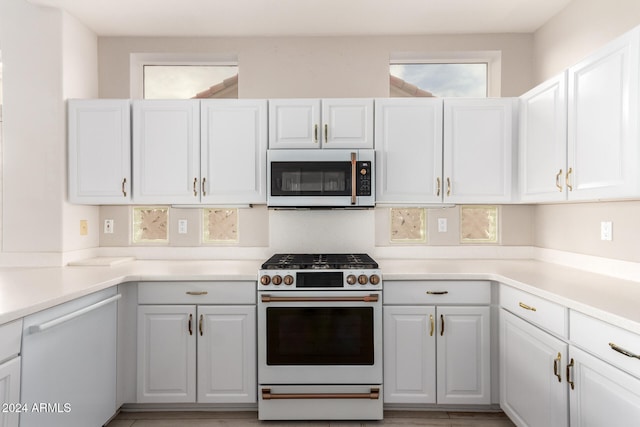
x: 362, y: 279
x: 276, y: 280
x: 265, y: 280
x: 288, y: 279
x: 374, y: 279
x: 351, y: 279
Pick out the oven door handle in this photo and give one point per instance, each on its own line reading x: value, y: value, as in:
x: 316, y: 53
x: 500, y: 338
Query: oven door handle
x: 353, y: 178
x: 374, y: 394
x: 366, y: 298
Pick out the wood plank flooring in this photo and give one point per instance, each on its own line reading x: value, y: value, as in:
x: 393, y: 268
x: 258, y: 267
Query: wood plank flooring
x: 241, y: 419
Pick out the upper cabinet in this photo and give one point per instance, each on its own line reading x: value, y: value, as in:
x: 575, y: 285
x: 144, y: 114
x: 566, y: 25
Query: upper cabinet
x: 327, y: 123
x: 603, y: 153
x: 166, y: 151
x: 451, y: 151
x: 543, y: 141
x: 191, y: 151
x: 579, y: 131
x: 478, y: 150
x: 99, y: 151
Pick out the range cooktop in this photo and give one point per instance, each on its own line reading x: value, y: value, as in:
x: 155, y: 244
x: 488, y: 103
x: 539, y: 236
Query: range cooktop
x: 319, y: 261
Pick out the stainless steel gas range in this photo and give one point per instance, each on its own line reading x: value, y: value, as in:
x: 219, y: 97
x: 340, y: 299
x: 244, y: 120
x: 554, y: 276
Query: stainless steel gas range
x: 320, y: 337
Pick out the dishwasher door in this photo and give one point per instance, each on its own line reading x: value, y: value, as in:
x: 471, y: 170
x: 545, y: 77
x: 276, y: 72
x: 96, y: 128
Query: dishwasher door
x: 69, y: 363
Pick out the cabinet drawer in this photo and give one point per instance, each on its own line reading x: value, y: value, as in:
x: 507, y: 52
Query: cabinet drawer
x: 10, y: 339
x: 437, y: 292
x: 544, y: 313
x: 595, y: 336
x: 241, y: 292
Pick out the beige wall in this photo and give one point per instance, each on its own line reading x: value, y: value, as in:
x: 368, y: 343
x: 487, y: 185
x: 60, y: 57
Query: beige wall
x: 323, y: 67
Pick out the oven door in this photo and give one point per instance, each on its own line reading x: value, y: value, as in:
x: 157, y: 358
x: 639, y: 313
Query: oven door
x: 320, y: 337
x: 339, y: 178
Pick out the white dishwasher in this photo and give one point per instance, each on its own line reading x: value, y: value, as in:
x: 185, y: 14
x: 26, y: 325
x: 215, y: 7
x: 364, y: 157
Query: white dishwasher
x: 69, y: 363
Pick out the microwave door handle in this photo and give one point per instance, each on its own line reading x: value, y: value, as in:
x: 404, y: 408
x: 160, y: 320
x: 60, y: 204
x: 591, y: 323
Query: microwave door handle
x: 353, y: 178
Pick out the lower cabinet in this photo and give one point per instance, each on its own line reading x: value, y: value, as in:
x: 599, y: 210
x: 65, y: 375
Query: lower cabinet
x: 10, y: 340
x: 532, y: 362
x: 436, y: 354
x: 196, y: 353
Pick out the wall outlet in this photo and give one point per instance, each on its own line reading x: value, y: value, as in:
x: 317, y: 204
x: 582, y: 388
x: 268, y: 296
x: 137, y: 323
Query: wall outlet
x: 606, y: 230
x: 442, y: 225
x: 108, y: 226
x: 84, y: 227
x: 182, y: 226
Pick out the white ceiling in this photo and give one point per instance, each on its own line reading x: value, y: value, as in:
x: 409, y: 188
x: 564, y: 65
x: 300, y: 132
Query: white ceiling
x: 307, y: 17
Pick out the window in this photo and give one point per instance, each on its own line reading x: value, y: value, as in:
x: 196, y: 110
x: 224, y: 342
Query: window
x: 180, y: 76
x: 470, y: 74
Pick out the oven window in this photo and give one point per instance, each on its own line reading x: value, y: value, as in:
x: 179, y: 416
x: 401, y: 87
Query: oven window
x: 320, y: 336
x: 310, y: 178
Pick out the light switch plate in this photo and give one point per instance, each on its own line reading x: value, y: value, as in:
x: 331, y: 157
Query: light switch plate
x: 606, y: 230
x: 182, y: 226
x: 442, y: 225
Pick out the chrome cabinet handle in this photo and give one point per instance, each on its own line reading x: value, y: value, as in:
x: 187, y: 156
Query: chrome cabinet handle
x: 191, y: 324
x: 432, y: 324
x: 526, y: 307
x: 568, y: 373
x: 558, y: 180
x: 556, y: 366
x: 124, y: 189
x: 567, y: 181
x: 203, y: 190
x: 621, y: 350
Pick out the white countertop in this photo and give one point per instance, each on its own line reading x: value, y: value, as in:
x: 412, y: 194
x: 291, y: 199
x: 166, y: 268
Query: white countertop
x: 24, y: 291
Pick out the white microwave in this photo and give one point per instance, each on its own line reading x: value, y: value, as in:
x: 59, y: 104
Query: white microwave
x: 321, y: 178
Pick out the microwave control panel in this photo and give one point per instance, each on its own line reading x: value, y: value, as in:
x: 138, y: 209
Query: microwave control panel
x: 364, y: 179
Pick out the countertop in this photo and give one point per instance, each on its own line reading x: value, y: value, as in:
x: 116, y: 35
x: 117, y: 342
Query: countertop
x: 24, y: 291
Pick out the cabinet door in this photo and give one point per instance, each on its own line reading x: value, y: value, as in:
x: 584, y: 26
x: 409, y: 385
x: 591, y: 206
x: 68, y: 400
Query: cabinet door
x: 543, y: 141
x: 602, y: 395
x: 347, y: 123
x: 294, y: 123
x: 99, y: 151
x: 9, y: 392
x: 464, y: 365
x: 227, y: 354
x: 603, y: 122
x: 234, y: 149
x: 166, y: 353
x: 532, y: 388
x: 478, y: 150
x: 166, y: 151
x: 408, y: 136
x: 409, y: 354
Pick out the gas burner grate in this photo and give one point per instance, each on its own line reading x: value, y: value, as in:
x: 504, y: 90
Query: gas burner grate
x: 319, y: 261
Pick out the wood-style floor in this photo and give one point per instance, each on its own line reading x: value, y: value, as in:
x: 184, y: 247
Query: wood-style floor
x: 241, y: 419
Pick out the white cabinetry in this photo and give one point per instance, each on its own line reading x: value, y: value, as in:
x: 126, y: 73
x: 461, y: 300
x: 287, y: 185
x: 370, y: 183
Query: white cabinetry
x: 435, y: 353
x: 69, y: 362
x: 99, y: 151
x: 190, y: 327
x: 543, y: 142
x: 478, y: 140
x: 10, y: 339
x: 408, y: 135
x: 451, y: 151
x: 314, y: 123
x: 190, y: 151
x: 166, y: 151
x: 603, y: 151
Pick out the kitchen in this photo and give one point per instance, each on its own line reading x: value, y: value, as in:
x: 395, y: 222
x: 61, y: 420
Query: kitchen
x: 65, y: 59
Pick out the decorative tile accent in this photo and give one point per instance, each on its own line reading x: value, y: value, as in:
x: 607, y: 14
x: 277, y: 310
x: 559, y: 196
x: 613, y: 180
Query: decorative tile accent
x: 220, y: 225
x: 150, y: 224
x: 408, y: 225
x: 479, y: 224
